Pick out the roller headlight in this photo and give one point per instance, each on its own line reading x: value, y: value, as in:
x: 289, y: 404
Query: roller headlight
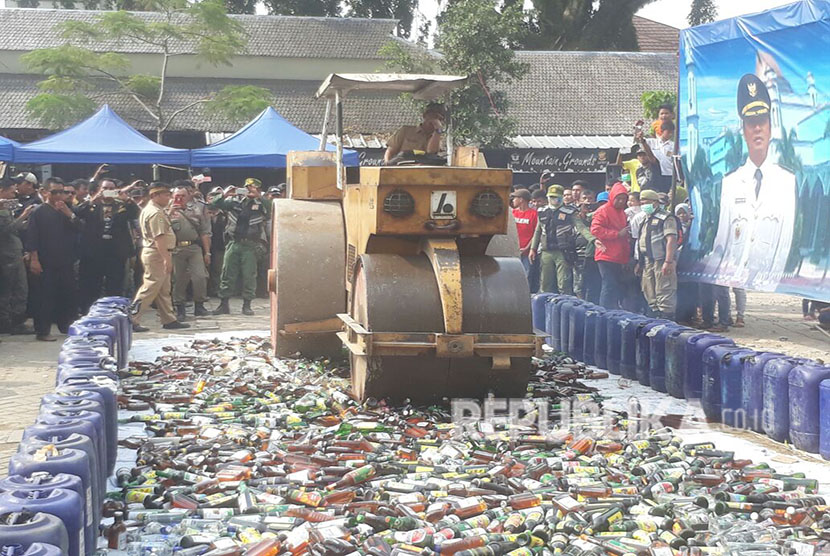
x: 399, y: 203
x: 487, y: 204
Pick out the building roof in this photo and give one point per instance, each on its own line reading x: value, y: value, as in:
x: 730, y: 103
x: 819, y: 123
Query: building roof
x: 587, y: 93
x: 268, y: 35
x: 293, y: 99
x: 653, y: 36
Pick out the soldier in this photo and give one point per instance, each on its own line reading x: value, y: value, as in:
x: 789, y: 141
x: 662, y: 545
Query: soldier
x: 191, y: 224
x: 657, y: 256
x: 158, y: 240
x: 13, y: 286
x: 247, y: 214
x: 555, y: 239
x: 757, y: 206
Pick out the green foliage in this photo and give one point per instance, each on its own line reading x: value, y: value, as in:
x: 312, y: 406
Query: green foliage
x: 241, y: 6
x: 239, y: 103
x: 75, y: 71
x: 476, y: 39
x: 581, y: 24
x: 653, y: 99
x: 402, y: 10
x: 702, y: 11
x: 145, y: 86
x: 57, y: 111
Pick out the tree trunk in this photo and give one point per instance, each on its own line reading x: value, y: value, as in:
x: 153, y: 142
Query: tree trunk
x: 156, y: 169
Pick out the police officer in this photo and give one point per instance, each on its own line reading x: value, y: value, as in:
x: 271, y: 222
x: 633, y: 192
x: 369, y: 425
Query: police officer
x: 247, y: 214
x: 13, y: 286
x: 191, y: 224
x: 158, y: 241
x: 657, y: 255
x: 757, y: 206
x: 555, y: 241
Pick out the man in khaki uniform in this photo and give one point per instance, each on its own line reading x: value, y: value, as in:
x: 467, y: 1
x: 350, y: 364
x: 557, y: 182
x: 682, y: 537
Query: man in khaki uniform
x: 191, y: 224
x: 657, y: 255
x: 425, y: 137
x: 158, y: 241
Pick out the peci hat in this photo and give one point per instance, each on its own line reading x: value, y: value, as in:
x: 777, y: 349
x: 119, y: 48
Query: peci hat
x: 556, y: 191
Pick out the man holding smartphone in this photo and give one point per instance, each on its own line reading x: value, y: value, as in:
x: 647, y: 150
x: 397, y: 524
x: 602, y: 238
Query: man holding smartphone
x: 247, y: 214
x: 106, y: 241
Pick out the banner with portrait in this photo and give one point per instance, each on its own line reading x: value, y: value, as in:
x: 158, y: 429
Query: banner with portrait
x: 754, y: 108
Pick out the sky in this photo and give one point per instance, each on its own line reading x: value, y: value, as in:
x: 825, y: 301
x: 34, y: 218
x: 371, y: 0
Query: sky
x: 670, y: 12
x: 674, y: 12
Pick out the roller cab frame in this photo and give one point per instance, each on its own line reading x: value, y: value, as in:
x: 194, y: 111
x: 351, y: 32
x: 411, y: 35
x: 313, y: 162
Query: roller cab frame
x: 399, y: 268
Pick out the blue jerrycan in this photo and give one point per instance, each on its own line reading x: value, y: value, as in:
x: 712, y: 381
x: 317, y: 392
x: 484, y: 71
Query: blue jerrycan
x: 804, y: 382
x: 753, y: 387
x: 27, y: 528
x: 538, y: 304
x: 576, y: 330
x: 732, y: 388
x: 64, y: 504
x: 824, y: 418
x: 630, y: 328
x: 657, y: 355
x: 696, y: 345
x: 593, y: 323
x: 642, y: 355
x: 712, y: 395
x: 676, y: 361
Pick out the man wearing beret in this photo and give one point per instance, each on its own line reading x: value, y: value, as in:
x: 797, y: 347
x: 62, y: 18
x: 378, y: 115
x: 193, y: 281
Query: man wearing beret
x: 555, y: 241
x: 246, y: 229
x: 757, y: 207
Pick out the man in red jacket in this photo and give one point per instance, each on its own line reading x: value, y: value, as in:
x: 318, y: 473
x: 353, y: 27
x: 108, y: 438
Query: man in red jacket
x: 610, y: 226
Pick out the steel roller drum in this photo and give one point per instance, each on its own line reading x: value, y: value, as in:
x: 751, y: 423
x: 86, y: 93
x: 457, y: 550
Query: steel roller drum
x: 394, y: 293
x: 307, y: 280
x: 505, y: 245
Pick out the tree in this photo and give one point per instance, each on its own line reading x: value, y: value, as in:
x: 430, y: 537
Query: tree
x: 582, y: 24
x: 402, y: 10
x: 652, y: 100
x: 77, y: 76
x: 476, y: 39
x: 702, y: 11
x: 241, y: 6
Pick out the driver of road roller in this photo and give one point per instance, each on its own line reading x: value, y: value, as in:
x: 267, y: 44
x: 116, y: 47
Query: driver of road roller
x: 418, y: 139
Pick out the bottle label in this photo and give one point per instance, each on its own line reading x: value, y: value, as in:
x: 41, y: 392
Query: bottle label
x: 122, y: 541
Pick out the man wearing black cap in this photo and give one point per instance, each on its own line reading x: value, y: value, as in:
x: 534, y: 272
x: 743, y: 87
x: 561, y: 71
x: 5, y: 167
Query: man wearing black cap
x: 425, y: 137
x: 757, y: 208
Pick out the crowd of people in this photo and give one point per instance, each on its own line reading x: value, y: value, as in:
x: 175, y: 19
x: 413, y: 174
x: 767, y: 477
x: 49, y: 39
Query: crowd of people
x: 620, y: 247
x: 64, y: 245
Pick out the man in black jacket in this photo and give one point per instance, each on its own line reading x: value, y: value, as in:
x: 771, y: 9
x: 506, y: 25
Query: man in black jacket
x: 106, y: 242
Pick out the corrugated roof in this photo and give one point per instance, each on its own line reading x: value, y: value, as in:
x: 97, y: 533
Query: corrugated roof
x: 268, y: 35
x: 586, y: 93
x: 653, y: 36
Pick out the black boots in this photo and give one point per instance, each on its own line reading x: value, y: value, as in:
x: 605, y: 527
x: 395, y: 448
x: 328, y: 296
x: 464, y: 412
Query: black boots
x: 246, y: 308
x: 175, y: 325
x: 199, y: 310
x: 223, y: 308
x: 181, y: 314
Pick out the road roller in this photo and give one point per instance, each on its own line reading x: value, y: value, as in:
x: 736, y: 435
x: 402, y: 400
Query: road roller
x: 413, y: 269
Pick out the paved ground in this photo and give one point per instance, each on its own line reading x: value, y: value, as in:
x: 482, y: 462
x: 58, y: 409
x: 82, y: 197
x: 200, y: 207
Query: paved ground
x: 28, y: 367
x: 773, y: 323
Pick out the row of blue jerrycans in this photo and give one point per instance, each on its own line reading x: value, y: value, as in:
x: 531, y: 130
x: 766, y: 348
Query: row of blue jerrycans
x: 783, y: 397
x: 51, y: 500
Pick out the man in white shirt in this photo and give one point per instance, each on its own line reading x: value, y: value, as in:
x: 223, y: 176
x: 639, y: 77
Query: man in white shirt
x: 757, y: 208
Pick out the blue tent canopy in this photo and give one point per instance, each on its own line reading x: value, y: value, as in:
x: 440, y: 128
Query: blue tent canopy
x: 263, y: 143
x: 103, y: 137
x: 7, y: 147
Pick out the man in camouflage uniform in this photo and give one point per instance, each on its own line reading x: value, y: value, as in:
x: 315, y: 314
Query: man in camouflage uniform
x: 13, y: 286
x: 191, y: 224
x: 657, y: 256
x: 246, y: 229
x: 555, y: 242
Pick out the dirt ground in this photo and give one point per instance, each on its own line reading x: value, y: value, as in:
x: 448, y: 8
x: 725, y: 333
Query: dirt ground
x: 773, y: 323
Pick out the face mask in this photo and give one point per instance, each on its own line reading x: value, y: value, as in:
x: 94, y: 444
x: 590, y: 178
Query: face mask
x: 648, y: 208
x: 554, y: 201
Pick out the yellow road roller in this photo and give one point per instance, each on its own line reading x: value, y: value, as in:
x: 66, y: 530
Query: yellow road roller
x: 400, y: 267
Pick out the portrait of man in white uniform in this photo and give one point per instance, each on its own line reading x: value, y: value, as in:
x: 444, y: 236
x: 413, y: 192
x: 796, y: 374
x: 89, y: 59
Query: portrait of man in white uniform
x: 757, y: 204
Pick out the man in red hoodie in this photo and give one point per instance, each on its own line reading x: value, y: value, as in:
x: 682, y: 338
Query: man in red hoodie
x: 610, y: 226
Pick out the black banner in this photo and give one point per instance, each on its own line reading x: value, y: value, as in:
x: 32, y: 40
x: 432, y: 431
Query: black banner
x: 556, y: 160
